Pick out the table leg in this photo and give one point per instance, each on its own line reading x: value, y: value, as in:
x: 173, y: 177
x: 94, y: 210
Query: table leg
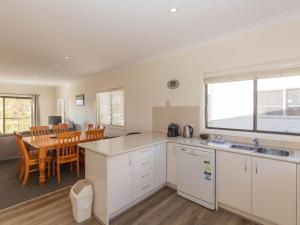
x: 42, y: 156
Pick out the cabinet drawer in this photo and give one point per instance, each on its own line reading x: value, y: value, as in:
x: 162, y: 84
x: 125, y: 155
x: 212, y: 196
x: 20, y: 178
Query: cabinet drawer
x: 144, y: 177
x: 144, y: 164
x: 143, y: 153
x: 143, y: 188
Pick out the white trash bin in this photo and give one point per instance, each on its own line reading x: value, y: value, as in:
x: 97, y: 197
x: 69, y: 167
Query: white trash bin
x: 81, y: 196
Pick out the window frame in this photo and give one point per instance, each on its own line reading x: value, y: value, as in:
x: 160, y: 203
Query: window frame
x: 98, y: 112
x: 59, y: 100
x: 254, y: 130
x: 3, y: 108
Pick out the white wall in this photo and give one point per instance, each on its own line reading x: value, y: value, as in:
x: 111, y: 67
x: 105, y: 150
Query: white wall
x: 145, y: 84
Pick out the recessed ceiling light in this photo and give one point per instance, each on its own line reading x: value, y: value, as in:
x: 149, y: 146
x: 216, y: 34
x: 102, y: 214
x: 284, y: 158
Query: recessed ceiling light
x: 173, y: 10
x: 67, y: 57
x: 55, y: 64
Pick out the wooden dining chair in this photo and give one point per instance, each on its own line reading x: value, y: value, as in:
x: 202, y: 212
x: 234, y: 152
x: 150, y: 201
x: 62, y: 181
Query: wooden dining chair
x: 19, y: 158
x: 29, y: 159
x: 39, y: 131
x: 93, y: 135
x: 90, y: 135
x: 60, y: 128
x: 93, y: 126
x: 67, y: 151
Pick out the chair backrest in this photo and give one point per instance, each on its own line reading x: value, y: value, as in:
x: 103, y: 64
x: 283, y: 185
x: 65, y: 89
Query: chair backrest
x: 21, y: 147
x: 60, y: 128
x: 39, y: 131
x: 93, y: 126
x: 67, y: 144
x: 93, y: 135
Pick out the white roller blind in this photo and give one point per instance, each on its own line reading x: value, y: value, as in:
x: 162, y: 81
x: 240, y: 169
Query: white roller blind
x: 117, y: 105
x: 240, y: 75
x: 110, y: 108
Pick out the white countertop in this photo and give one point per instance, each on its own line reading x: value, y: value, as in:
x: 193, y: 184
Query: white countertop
x: 124, y: 144
x: 197, y: 142
x: 115, y: 146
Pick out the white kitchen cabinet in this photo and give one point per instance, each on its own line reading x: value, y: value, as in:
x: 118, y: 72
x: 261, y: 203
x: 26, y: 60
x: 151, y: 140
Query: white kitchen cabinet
x: 120, y: 182
x: 234, y: 180
x: 171, y: 163
x: 161, y: 164
x: 274, y: 190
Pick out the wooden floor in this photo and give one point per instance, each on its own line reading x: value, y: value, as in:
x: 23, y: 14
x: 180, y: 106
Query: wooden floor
x: 163, y: 208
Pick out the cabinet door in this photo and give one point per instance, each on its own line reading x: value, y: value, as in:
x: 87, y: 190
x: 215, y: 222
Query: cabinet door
x: 161, y: 164
x: 274, y: 190
x: 234, y: 180
x: 171, y: 163
x: 120, y: 178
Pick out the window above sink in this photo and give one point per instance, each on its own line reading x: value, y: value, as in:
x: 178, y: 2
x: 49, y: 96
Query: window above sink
x: 266, y: 105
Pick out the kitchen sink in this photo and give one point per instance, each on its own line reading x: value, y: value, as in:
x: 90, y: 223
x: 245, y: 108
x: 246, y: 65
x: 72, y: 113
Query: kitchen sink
x: 276, y: 152
x: 243, y: 147
x: 268, y: 151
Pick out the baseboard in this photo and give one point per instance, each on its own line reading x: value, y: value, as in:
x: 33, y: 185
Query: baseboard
x: 244, y: 215
x: 173, y: 186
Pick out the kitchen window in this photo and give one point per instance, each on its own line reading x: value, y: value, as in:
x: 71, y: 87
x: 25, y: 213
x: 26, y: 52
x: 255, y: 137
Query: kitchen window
x: 15, y: 114
x: 110, y: 108
x: 270, y: 105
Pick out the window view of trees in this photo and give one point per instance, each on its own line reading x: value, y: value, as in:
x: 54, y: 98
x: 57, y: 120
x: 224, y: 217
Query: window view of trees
x: 15, y: 114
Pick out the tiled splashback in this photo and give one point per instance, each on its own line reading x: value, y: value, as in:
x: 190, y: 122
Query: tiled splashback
x: 163, y: 116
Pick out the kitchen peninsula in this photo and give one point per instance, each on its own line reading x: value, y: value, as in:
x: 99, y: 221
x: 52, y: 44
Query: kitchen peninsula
x: 124, y: 171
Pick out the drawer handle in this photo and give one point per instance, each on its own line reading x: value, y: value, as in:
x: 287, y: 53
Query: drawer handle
x: 145, y: 175
x: 143, y: 188
x: 145, y: 163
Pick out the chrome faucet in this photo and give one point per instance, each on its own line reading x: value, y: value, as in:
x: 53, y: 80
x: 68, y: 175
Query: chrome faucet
x: 255, y: 142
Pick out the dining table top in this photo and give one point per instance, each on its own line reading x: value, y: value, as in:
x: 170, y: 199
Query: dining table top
x: 47, y: 141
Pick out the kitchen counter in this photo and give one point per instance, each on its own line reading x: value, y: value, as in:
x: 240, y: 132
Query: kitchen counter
x: 124, y: 144
x: 197, y: 142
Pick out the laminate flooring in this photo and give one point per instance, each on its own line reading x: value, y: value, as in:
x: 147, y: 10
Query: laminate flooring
x: 162, y: 208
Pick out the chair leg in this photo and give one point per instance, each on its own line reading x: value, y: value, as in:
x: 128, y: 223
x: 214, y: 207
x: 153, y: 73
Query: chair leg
x: 49, y: 169
x: 19, y: 166
x: 77, y: 167
x: 71, y: 166
x: 58, y: 173
x: 25, y: 179
x: 22, y: 171
x: 53, y: 168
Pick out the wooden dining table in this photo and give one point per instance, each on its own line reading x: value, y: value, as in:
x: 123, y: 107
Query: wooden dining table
x: 44, y: 144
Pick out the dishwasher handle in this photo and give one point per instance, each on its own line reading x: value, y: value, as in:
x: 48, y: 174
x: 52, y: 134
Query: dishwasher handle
x: 191, y: 152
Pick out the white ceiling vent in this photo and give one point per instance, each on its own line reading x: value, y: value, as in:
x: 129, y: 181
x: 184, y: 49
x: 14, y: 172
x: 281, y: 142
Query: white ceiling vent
x: 173, y: 84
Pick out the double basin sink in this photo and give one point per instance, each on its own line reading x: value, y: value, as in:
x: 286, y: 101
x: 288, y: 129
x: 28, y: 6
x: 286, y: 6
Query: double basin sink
x: 268, y: 151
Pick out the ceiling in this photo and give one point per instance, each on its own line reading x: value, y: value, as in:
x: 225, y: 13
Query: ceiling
x: 98, y: 35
